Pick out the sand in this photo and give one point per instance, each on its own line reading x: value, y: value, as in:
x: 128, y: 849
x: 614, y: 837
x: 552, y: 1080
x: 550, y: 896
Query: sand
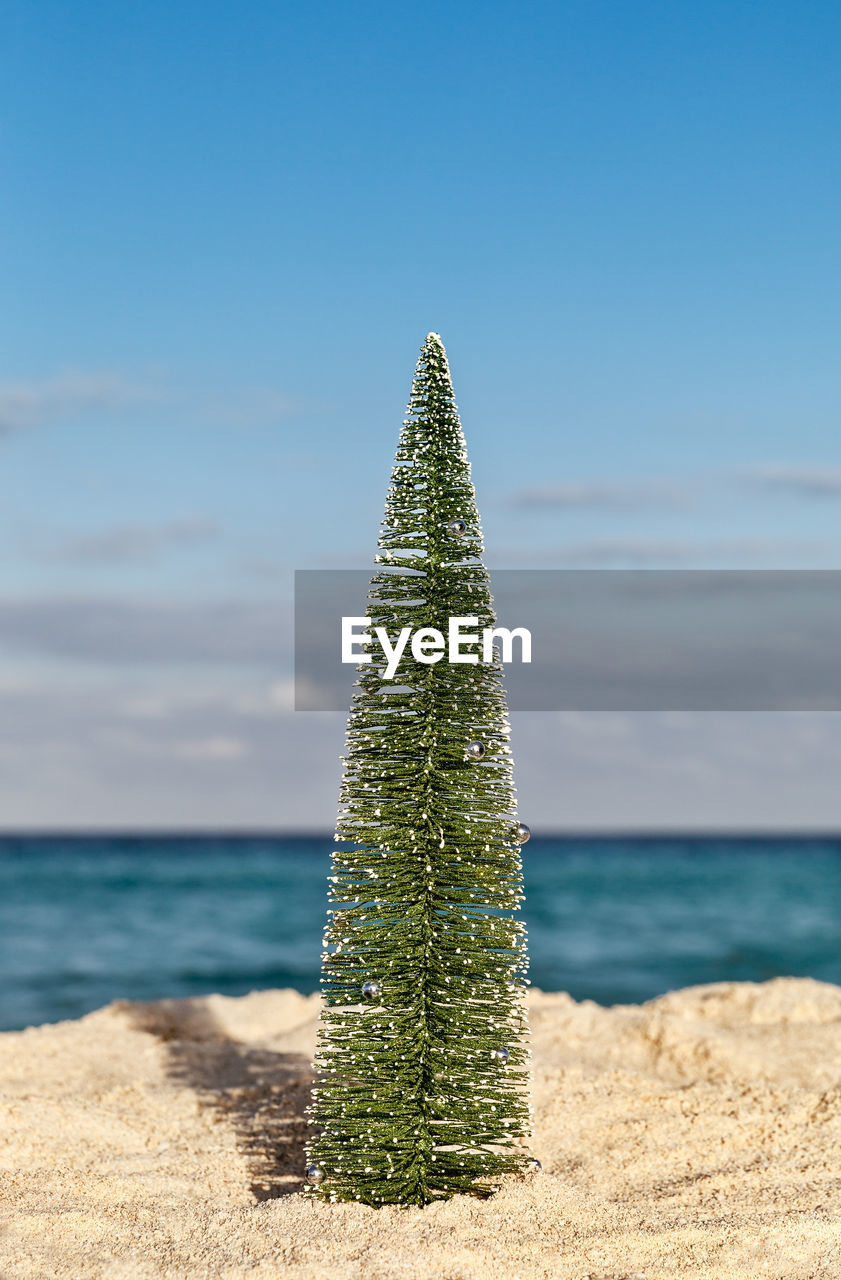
x: 698, y: 1135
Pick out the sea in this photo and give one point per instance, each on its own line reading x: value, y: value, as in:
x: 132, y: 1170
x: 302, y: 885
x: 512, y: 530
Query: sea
x: 85, y: 920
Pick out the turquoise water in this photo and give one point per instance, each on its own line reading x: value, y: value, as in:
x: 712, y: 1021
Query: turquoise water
x: 87, y: 920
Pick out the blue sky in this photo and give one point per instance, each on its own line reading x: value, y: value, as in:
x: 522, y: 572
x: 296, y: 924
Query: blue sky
x: 224, y: 232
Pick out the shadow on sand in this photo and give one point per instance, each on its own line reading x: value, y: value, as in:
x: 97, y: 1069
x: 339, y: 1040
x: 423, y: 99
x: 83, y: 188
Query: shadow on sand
x: 260, y: 1093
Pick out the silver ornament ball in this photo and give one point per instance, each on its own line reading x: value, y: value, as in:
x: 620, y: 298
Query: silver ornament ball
x: 522, y: 833
x: 457, y: 528
x: 475, y: 750
x: 371, y: 989
x: 500, y: 1055
x: 315, y: 1175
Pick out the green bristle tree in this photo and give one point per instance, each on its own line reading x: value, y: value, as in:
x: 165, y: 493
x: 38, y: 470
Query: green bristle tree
x: 421, y: 1066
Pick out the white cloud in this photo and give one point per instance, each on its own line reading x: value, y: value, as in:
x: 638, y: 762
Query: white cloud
x: 100, y: 629
x: 282, y: 695
x: 122, y: 544
x: 624, y: 552
x: 147, y: 707
x: 36, y: 402
x: 217, y: 747
x: 31, y: 404
x: 85, y: 758
x: 664, y: 772
x: 611, y: 495
x: 799, y: 481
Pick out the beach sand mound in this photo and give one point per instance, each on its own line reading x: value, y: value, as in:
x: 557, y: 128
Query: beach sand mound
x: 698, y: 1135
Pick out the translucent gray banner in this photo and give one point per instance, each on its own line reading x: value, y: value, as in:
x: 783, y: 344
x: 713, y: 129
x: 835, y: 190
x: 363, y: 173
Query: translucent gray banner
x: 619, y: 640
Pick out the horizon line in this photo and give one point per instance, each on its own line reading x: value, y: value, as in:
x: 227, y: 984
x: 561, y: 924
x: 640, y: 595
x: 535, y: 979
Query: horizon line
x: 297, y: 833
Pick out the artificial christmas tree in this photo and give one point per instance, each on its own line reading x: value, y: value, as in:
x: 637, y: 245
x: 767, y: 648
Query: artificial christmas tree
x: 421, y: 1067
